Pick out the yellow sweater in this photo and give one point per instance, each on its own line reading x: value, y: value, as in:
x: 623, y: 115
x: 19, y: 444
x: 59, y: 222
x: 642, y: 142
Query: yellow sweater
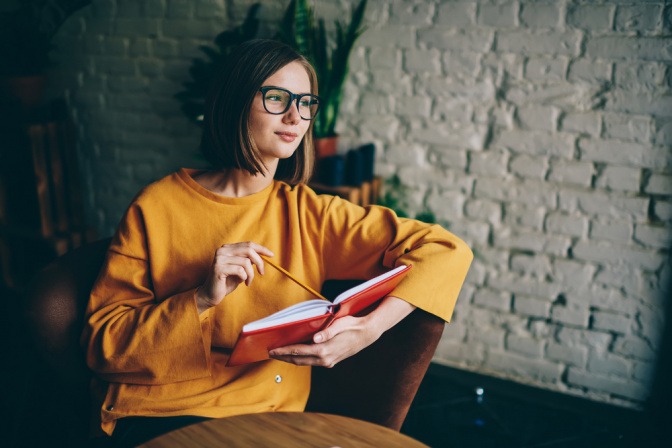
x: 153, y: 352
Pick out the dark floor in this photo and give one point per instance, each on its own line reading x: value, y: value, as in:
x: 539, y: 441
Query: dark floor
x: 455, y: 408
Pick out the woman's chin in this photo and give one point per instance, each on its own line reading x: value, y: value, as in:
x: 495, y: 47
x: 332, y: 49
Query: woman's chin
x: 283, y: 153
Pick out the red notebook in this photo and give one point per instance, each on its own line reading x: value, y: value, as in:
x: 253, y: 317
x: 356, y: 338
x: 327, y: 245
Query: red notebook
x: 298, y: 323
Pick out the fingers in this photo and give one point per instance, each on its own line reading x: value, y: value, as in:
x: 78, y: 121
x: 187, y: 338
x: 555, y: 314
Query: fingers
x: 232, y: 264
x: 342, y: 339
x: 339, y: 326
x: 234, y: 253
x: 240, y: 267
x: 305, y: 355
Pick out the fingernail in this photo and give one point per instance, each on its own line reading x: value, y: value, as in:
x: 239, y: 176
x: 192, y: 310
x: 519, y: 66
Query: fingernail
x: 319, y: 337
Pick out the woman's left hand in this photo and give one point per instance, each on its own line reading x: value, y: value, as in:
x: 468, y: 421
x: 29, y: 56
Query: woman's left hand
x: 345, y: 336
x: 342, y: 339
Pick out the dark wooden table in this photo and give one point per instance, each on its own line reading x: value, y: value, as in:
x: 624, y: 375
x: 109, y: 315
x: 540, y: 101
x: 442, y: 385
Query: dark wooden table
x: 280, y: 429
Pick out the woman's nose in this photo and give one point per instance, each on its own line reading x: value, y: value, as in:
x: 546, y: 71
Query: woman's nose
x: 292, y: 115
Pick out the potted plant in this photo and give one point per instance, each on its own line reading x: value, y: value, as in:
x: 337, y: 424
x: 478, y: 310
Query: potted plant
x: 26, y: 30
x: 396, y: 197
x: 301, y: 30
x: 201, y: 70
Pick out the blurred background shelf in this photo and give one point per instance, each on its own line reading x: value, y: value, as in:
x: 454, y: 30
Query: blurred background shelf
x: 365, y: 194
x: 41, y: 212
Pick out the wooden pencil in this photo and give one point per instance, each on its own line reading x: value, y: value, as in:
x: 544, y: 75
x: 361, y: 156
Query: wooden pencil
x: 294, y: 279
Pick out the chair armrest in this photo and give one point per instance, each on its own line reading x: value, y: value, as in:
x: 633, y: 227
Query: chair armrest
x: 55, y: 304
x: 379, y: 383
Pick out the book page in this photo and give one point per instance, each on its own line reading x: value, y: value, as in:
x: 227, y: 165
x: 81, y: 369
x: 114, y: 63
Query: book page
x: 361, y: 287
x: 294, y: 313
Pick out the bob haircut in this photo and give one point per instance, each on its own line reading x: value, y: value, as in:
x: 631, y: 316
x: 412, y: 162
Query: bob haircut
x: 226, y: 141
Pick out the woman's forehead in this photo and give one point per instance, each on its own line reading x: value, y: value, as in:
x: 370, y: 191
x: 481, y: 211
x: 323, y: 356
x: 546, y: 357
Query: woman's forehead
x: 292, y: 76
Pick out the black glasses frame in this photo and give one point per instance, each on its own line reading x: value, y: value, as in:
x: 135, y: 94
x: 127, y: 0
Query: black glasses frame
x: 293, y: 98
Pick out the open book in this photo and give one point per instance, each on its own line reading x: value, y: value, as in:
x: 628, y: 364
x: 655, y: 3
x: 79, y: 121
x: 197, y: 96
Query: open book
x: 298, y: 323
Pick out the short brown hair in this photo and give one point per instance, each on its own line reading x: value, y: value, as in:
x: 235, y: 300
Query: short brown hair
x: 226, y: 140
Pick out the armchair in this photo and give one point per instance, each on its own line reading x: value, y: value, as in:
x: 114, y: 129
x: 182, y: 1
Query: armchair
x: 377, y: 385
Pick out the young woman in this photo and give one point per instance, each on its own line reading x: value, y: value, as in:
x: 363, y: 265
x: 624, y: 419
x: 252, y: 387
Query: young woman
x: 184, y: 271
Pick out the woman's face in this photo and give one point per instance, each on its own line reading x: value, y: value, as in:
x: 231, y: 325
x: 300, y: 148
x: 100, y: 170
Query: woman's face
x: 278, y: 136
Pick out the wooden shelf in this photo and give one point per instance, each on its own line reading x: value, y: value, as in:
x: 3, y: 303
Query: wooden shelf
x: 365, y: 194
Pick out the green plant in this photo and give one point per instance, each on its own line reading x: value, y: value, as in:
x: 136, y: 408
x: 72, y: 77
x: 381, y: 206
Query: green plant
x: 426, y: 216
x: 308, y: 36
x: 201, y: 70
x: 26, y: 31
x: 395, y: 197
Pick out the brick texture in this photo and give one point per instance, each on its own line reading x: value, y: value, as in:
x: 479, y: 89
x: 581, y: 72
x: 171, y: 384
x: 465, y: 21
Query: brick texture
x: 537, y: 130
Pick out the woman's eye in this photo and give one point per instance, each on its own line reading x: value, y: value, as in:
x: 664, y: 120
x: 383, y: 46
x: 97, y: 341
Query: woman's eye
x: 273, y: 97
x: 307, y: 102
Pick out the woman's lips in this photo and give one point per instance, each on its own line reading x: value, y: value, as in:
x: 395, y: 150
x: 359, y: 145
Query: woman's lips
x: 287, y: 136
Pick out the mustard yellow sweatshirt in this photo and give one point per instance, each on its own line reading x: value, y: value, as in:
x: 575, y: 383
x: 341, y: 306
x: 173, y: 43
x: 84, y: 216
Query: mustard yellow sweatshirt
x: 152, y: 352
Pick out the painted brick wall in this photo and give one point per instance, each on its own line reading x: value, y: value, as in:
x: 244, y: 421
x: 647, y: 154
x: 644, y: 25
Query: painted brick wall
x: 539, y: 131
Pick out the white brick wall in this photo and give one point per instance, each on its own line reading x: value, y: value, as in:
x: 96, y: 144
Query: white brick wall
x: 539, y: 131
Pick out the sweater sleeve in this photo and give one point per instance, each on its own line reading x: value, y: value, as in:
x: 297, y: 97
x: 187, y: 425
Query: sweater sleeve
x: 130, y: 335
x: 362, y: 242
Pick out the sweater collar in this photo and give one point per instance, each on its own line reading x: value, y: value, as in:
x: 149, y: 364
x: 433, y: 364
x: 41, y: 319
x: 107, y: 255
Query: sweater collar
x: 186, y: 175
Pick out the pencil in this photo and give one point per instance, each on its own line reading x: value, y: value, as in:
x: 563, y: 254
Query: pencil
x: 294, y: 279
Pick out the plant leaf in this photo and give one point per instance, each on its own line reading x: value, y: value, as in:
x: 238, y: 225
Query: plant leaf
x: 210, y: 52
x: 285, y: 31
x: 303, y: 28
x: 201, y: 70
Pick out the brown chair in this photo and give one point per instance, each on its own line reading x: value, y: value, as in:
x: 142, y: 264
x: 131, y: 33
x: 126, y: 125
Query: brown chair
x: 377, y: 385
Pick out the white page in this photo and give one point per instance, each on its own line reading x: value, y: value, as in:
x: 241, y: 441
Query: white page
x: 299, y: 311
x: 312, y: 308
x: 361, y: 287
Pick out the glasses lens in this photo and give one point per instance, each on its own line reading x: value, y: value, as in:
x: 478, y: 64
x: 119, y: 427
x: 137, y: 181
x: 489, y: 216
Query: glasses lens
x: 308, y: 106
x: 276, y: 101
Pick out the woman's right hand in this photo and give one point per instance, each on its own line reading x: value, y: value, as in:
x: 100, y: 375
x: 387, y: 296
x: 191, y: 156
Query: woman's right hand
x: 232, y: 265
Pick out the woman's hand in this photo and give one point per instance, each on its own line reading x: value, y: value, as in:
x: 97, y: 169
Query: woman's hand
x: 346, y: 336
x: 233, y: 264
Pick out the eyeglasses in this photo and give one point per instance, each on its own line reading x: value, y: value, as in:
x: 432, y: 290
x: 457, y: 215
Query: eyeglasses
x: 278, y: 100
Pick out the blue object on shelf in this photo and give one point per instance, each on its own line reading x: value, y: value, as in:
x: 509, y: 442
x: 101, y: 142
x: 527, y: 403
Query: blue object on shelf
x: 331, y: 171
x: 354, y: 168
x: 368, y: 156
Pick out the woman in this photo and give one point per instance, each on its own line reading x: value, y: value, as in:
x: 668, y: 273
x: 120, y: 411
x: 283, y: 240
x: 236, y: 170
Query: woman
x: 180, y: 279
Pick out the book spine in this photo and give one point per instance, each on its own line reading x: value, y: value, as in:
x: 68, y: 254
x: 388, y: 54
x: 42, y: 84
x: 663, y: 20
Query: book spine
x: 41, y: 172
x: 333, y: 312
x: 366, y: 194
x: 375, y: 190
x: 57, y: 177
x: 71, y: 174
